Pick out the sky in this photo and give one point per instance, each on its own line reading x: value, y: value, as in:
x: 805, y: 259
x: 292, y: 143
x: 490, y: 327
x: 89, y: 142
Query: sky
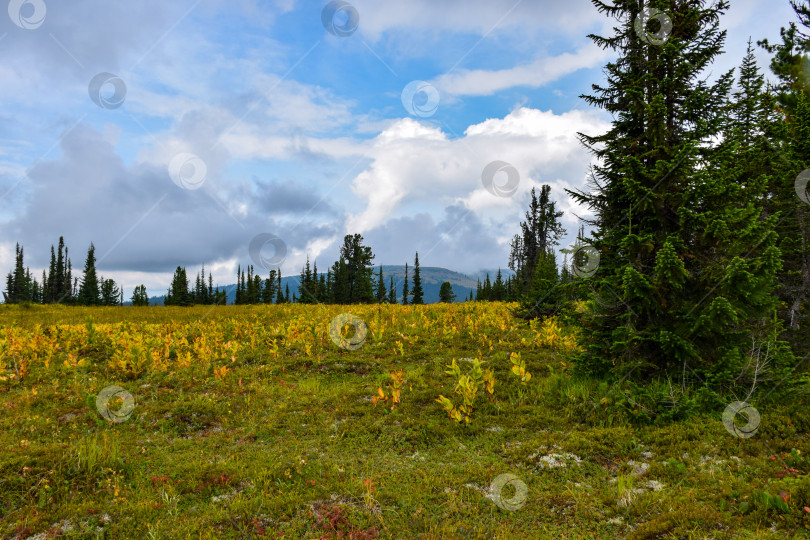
x: 177, y: 133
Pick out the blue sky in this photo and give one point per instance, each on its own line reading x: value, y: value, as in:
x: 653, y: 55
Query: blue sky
x: 301, y: 133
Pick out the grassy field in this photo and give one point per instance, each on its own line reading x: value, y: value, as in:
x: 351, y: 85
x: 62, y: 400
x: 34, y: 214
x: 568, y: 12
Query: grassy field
x: 252, y: 422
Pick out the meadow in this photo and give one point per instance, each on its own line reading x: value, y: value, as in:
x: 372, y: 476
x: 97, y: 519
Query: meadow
x: 437, y: 421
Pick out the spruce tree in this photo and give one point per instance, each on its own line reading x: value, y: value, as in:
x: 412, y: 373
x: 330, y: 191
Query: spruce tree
x: 498, y: 288
x: 446, y: 293
x: 279, y: 294
x: 269, y: 290
x: 110, y: 292
x: 89, y: 293
x: 341, y: 293
x: 417, y: 297
x: 139, y: 296
x: 329, y: 287
x: 53, y: 282
x: 306, y: 285
x: 323, y: 291
x: 60, y: 280
x: 405, y: 287
x: 60, y: 283
x: 356, y: 273
x: 178, y: 294
x: 486, y: 291
x: 392, y: 292
x: 686, y: 260
x: 18, y: 291
x: 380, y: 292
x: 69, y: 291
x: 257, y: 289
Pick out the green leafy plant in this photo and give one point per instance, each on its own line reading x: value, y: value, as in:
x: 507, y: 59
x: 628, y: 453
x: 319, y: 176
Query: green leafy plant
x: 467, y: 388
x: 519, y: 368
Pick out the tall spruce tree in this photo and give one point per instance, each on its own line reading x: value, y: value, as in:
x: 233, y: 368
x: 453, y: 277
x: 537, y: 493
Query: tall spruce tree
x: 307, y: 285
x: 62, y: 280
x: 380, y: 292
x: 269, y: 289
x: 178, y: 294
x: 687, y: 261
x: 323, y: 290
x: 405, y: 292
x: 279, y: 293
x: 89, y: 290
x: 392, y: 292
x: 417, y: 293
x: 356, y: 283
x: 51, y: 294
x: 498, y: 288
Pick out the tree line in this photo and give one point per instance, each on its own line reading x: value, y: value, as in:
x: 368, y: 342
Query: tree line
x: 350, y: 280
x: 58, y: 285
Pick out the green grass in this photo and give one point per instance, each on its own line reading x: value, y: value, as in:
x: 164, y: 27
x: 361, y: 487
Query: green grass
x: 295, y: 449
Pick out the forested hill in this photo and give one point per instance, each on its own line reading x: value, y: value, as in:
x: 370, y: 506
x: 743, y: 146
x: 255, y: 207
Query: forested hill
x: 432, y: 278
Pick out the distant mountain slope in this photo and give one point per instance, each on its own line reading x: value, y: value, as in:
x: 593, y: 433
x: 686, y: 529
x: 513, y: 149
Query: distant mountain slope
x: 432, y: 279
